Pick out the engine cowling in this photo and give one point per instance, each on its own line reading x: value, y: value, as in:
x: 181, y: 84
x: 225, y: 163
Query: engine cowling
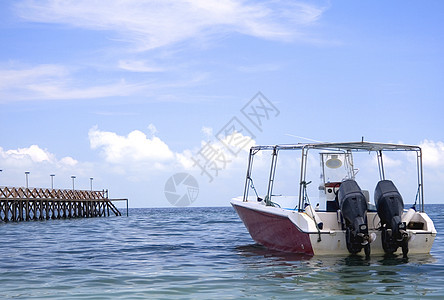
x: 353, y: 207
x: 390, y: 205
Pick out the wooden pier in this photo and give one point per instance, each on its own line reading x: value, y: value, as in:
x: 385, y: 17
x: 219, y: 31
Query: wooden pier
x: 25, y: 204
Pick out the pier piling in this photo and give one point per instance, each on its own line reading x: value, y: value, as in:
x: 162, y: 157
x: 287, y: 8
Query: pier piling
x: 25, y: 204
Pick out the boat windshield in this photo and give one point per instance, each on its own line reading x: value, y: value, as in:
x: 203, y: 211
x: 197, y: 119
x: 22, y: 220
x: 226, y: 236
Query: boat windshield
x: 336, y: 167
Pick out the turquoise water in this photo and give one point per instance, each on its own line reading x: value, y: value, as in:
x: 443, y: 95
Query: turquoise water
x: 194, y: 253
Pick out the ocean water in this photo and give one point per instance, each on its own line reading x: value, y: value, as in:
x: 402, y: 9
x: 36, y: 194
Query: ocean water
x: 195, y: 253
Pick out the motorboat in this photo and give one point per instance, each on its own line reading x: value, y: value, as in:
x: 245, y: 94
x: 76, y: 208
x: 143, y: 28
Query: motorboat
x: 346, y: 218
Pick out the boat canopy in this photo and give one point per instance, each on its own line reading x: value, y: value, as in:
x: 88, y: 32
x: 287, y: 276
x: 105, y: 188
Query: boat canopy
x: 346, y: 147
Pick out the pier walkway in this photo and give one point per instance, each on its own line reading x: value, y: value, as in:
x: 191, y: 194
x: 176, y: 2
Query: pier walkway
x: 25, y: 204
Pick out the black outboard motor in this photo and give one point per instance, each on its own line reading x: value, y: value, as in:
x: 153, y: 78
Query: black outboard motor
x: 354, y: 210
x: 390, y: 206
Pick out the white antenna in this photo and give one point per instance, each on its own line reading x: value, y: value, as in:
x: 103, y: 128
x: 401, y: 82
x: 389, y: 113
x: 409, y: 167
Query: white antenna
x: 304, y: 138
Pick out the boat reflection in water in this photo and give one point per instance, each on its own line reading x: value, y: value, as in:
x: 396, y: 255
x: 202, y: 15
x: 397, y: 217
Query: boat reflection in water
x: 340, y: 275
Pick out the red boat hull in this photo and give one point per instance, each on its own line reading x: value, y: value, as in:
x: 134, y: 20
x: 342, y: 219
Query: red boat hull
x: 274, y: 231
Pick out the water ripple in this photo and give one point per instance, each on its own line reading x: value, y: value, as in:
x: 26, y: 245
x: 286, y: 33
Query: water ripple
x: 194, y: 253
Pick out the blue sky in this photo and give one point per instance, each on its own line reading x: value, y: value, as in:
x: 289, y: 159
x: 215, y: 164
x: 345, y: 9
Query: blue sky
x: 126, y: 92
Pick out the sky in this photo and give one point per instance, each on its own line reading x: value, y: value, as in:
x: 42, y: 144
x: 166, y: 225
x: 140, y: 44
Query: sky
x: 131, y: 93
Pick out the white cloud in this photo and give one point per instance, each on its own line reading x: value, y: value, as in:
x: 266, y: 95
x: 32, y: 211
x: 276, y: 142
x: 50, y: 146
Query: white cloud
x: 152, y: 129
x: 390, y: 160
x: 69, y: 161
x: 41, y: 163
x: 141, y: 66
x: 145, y: 25
x: 34, y: 155
x: 184, y: 159
x: 222, y: 156
x: 56, y: 82
x: 134, y: 157
x: 433, y: 153
x: 132, y: 160
x: 136, y: 151
x: 54, y: 91
x: 26, y: 76
x: 157, y: 23
x: 50, y: 82
x: 208, y: 132
x: 238, y: 142
x: 133, y: 148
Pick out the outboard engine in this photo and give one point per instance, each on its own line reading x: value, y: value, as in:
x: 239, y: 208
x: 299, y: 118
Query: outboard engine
x: 390, y: 206
x: 354, y: 210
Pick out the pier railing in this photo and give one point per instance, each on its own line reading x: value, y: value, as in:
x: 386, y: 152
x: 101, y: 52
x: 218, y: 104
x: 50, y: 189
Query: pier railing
x: 24, y: 204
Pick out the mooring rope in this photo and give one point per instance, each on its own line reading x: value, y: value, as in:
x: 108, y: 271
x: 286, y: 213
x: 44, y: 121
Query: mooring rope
x: 307, y: 203
x: 252, y: 186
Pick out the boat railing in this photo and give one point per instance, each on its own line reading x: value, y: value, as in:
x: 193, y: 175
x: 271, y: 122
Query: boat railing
x: 351, y: 147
